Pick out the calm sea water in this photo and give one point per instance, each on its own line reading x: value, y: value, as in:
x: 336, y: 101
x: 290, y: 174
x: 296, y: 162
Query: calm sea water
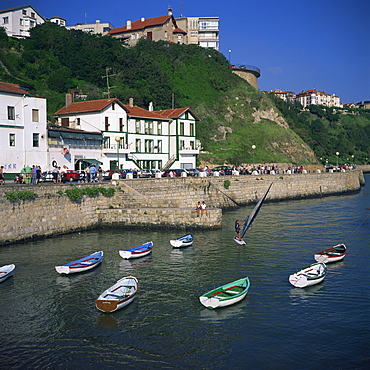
x: 50, y: 321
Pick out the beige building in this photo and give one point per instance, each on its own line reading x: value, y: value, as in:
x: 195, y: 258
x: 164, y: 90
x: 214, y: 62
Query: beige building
x: 93, y: 28
x: 316, y: 97
x: 202, y: 31
x: 158, y: 28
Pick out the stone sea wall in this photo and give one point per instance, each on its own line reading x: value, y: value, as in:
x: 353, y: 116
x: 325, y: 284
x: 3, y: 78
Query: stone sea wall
x: 156, y: 203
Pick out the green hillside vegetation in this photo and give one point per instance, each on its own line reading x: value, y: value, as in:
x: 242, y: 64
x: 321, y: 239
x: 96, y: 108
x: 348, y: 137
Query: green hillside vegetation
x: 234, y: 116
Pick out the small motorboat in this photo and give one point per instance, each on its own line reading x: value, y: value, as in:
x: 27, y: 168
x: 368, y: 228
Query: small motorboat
x: 135, y: 252
x: 6, y: 272
x: 118, y: 295
x: 308, y: 276
x: 184, y: 241
x: 83, y: 264
x: 333, y: 254
x: 226, y: 295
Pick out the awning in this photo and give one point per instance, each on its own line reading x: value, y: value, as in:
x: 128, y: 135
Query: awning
x: 75, y: 135
x: 89, y: 161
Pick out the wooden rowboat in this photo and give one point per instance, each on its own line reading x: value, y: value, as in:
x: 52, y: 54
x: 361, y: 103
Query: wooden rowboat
x: 6, y: 272
x: 184, y: 241
x: 308, y: 276
x: 81, y: 265
x: 226, y: 295
x: 118, y: 295
x: 135, y: 252
x: 333, y: 254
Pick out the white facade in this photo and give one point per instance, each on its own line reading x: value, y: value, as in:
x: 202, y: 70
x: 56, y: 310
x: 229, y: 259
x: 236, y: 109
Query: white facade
x: 135, y: 137
x: 19, y: 20
x: 58, y: 20
x: 316, y: 97
x: 23, y: 132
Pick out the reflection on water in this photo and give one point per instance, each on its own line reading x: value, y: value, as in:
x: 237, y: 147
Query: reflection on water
x: 50, y: 321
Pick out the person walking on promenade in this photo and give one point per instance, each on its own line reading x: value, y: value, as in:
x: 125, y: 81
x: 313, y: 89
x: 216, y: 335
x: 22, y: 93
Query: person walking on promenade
x: 2, y: 180
x: 237, y: 228
x: 55, y: 175
x: 38, y: 174
x: 33, y: 175
x: 92, y: 173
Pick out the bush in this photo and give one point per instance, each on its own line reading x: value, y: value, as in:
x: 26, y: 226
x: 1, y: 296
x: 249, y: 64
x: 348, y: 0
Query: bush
x: 13, y: 196
x: 227, y: 183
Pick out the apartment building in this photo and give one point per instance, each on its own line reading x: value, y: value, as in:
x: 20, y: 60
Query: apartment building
x: 316, y: 97
x: 97, y: 28
x: 19, y: 20
x: 157, y: 28
x: 202, y: 31
x: 288, y: 96
x: 23, y: 131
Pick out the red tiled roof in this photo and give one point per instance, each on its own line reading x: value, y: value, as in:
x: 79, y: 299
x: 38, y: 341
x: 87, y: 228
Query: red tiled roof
x: 140, y: 25
x: 143, y: 113
x: 175, y: 113
x: 178, y: 30
x: 87, y: 106
x: 12, y: 88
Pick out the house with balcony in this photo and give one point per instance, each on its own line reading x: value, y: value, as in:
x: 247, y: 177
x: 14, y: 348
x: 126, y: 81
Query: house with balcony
x: 23, y: 130
x: 157, y: 28
x: 134, y: 137
x: 19, y: 20
x: 316, y: 97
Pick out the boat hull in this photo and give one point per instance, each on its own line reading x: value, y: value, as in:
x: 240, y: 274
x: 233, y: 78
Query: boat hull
x: 226, y: 295
x: 333, y: 254
x: 311, y: 275
x: 6, y: 272
x: 136, y: 252
x: 81, y: 265
x: 119, y: 295
x: 184, y: 241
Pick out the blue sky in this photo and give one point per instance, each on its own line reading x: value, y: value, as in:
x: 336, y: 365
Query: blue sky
x: 297, y: 44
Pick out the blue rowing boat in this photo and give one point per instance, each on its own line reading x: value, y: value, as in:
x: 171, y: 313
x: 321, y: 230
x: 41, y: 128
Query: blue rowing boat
x: 184, y: 241
x: 83, y: 264
x: 136, y: 252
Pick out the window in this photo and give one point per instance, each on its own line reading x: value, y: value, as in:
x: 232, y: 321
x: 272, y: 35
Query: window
x: 151, y: 128
x: 5, y: 20
x: 113, y: 106
x: 107, y: 143
x: 192, y: 129
x: 121, y: 124
x: 11, y: 139
x: 11, y: 113
x: 65, y: 122
x: 159, y: 146
x: 32, y: 15
x: 35, y: 115
x: 192, y: 145
x: 182, y: 144
x: 36, y: 140
x: 138, y: 145
x: 133, y: 36
x: 147, y: 127
x: 78, y: 120
x: 106, y: 123
x: 181, y: 128
x: 21, y: 22
x: 148, y: 146
x: 159, y: 128
x: 24, y: 12
x: 137, y: 127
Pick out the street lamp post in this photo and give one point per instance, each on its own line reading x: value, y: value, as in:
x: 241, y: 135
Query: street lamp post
x: 229, y: 56
x: 253, y: 147
x: 118, y: 140
x: 337, y: 154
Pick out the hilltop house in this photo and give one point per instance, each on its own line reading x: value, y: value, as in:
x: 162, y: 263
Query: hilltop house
x: 158, y: 28
x: 23, y: 132
x: 134, y: 137
x: 19, y: 20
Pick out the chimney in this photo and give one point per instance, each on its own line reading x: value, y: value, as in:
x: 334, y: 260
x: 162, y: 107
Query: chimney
x: 69, y: 100
x: 131, y: 102
x: 128, y: 24
x: 142, y: 19
x: 169, y: 11
x: 151, y: 109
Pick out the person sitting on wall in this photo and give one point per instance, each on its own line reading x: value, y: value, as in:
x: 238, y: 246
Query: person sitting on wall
x: 198, y: 208
x: 204, y: 209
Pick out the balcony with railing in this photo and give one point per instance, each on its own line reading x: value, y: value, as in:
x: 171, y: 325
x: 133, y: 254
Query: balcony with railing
x: 112, y: 148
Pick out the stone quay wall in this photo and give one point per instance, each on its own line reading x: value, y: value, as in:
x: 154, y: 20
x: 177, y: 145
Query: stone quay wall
x: 156, y: 203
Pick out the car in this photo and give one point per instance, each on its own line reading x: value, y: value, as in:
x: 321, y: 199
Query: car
x: 192, y: 171
x: 223, y: 170
x: 72, y: 175
x: 176, y: 172
x: 147, y: 174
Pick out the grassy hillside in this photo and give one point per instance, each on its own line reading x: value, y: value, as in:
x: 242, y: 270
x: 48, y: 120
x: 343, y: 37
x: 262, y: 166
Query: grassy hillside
x: 234, y: 116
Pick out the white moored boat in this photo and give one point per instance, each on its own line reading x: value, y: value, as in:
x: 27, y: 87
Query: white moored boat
x: 184, y: 241
x: 333, y: 254
x: 6, y: 272
x: 308, y: 276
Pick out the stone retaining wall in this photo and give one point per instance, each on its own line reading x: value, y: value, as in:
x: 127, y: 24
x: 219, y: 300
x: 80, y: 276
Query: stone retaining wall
x: 158, y: 203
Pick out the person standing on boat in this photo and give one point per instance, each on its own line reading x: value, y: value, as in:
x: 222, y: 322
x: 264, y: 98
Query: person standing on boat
x: 237, y: 228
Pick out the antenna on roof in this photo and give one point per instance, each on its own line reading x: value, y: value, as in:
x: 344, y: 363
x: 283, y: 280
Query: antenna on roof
x: 85, y: 16
x: 107, y: 77
x: 181, y: 4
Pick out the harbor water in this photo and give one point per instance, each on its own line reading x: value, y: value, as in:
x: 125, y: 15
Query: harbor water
x: 49, y: 321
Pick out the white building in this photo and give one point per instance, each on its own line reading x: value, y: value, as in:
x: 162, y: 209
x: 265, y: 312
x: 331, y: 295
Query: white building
x: 316, y: 97
x: 19, y: 20
x: 23, y: 132
x: 135, y: 137
x: 58, y: 20
x: 93, y: 28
